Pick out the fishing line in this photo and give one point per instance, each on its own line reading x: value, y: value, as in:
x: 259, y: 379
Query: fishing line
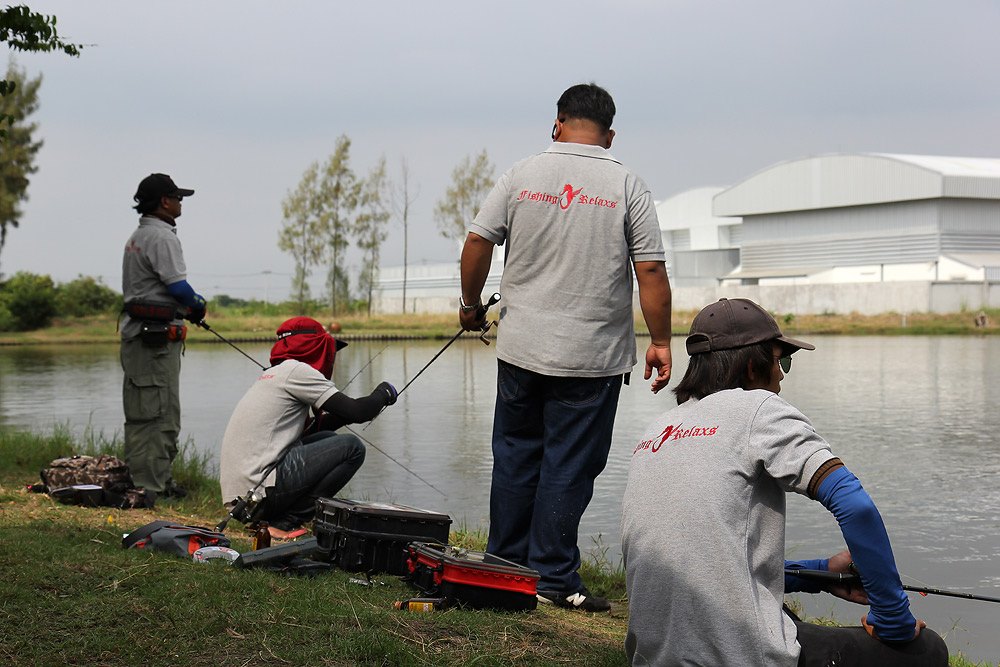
x: 380, y: 451
x: 204, y: 325
x: 370, y: 360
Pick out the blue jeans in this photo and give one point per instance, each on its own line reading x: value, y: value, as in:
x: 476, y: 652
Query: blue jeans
x: 551, y: 438
x: 317, y: 466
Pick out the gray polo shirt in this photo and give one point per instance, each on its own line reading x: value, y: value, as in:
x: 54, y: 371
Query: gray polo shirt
x: 153, y: 259
x: 573, y: 220
x: 703, y: 530
x: 269, y: 418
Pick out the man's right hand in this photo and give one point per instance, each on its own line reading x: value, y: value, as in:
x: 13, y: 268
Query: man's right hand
x: 196, y: 315
x: 472, y: 320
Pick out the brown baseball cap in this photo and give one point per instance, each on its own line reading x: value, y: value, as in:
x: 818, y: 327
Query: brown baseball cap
x: 730, y: 323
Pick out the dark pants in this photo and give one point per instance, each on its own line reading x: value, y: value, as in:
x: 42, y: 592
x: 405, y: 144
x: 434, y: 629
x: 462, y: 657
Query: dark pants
x: 824, y: 646
x: 551, y: 438
x: 317, y: 466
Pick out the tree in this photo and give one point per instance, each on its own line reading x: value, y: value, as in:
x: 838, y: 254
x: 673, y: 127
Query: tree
x: 337, y: 200
x: 25, y: 30
x: 27, y: 302
x: 471, y: 181
x: 401, y: 202
x: 86, y: 296
x: 299, y: 234
x: 17, y: 148
x: 319, y: 218
x: 373, y: 201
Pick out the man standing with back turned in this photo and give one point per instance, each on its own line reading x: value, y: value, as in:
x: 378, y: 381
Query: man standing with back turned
x: 574, y: 221
x: 157, y: 300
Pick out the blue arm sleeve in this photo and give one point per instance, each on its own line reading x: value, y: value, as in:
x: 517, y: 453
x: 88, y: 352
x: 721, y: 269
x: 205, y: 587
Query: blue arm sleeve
x: 861, y: 524
x: 183, y: 292
x: 795, y: 584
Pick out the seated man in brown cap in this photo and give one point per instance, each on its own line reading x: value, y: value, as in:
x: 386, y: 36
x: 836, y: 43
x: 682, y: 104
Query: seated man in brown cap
x: 703, y: 525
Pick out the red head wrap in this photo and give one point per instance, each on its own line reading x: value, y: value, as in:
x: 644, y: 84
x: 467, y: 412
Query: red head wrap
x: 304, y: 339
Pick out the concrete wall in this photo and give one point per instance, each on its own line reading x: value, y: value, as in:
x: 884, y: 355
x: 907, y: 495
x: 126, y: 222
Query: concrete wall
x: 843, y: 299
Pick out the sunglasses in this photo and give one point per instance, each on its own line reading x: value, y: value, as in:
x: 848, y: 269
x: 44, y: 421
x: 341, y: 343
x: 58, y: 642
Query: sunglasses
x: 785, y: 363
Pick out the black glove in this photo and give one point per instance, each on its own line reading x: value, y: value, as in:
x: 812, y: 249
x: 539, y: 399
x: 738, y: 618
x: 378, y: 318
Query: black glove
x: 387, y: 391
x: 197, y: 312
x: 195, y: 315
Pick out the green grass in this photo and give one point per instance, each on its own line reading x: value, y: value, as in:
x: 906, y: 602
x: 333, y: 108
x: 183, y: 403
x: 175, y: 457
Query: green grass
x: 240, y: 325
x: 73, y: 596
x: 76, y: 597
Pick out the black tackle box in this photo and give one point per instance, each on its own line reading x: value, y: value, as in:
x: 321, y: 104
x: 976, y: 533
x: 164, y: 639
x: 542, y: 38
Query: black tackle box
x: 372, y: 537
x: 473, y: 579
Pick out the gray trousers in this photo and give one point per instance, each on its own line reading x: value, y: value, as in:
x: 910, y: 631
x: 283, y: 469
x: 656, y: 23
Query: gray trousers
x: 152, y: 401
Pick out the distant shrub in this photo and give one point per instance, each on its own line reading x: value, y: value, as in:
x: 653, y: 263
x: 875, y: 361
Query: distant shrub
x: 86, y: 296
x: 29, y: 302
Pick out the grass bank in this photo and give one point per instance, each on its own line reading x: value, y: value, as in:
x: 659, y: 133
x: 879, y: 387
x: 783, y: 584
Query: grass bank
x: 238, y: 325
x: 73, y: 596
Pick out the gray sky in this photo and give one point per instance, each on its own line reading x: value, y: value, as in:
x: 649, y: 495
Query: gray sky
x: 236, y: 99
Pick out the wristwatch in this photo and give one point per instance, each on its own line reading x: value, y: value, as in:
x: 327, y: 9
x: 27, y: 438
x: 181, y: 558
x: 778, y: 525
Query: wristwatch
x: 467, y: 308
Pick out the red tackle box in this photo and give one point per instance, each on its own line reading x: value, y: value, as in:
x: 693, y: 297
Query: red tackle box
x: 472, y: 578
x: 372, y: 537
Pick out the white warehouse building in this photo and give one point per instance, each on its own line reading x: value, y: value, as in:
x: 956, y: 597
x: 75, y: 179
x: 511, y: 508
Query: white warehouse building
x: 866, y: 233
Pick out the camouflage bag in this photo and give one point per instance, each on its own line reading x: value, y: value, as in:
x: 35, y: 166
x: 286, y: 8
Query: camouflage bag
x: 102, y: 481
x: 106, y: 471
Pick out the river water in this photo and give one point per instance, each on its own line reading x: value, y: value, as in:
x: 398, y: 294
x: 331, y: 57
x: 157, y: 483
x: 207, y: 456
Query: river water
x: 914, y: 417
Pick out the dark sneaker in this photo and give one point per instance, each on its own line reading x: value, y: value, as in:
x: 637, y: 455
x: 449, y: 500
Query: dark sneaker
x: 583, y: 600
x: 174, y: 491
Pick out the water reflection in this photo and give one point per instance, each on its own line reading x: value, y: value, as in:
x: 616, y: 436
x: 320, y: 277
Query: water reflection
x: 913, y: 417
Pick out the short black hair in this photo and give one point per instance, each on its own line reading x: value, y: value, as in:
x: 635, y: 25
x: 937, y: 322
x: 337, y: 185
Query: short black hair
x: 709, y: 372
x: 589, y: 102
x: 147, y: 206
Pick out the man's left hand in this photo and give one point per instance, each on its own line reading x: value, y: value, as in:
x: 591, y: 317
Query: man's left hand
x: 852, y: 591
x: 658, y: 357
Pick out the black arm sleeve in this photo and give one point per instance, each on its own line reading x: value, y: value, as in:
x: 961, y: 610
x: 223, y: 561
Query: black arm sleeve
x: 342, y: 409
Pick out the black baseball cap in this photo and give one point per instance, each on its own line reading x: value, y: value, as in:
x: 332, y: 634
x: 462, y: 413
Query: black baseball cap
x: 731, y: 323
x: 155, y: 186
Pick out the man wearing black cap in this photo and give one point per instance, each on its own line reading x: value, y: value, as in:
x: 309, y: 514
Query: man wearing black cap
x: 703, y: 519
x: 157, y: 300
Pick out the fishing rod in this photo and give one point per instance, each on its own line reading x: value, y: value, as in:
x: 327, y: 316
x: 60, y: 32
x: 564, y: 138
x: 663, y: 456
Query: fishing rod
x: 482, y: 337
x: 845, y: 578
x: 204, y: 325
x: 244, y: 507
x: 486, y: 327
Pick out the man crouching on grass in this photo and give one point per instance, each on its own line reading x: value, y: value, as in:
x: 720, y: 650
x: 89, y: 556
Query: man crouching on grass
x: 703, y: 526
x: 266, y: 443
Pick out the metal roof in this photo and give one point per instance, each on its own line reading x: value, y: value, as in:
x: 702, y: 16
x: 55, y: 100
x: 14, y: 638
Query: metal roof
x: 690, y: 208
x: 858, y: 179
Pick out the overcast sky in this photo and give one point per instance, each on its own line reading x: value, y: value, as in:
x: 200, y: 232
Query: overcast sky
x: 236, y: 99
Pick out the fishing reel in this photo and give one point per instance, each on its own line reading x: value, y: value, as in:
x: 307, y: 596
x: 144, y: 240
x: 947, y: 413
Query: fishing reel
x: 481, y: 312
x: 244, y: 510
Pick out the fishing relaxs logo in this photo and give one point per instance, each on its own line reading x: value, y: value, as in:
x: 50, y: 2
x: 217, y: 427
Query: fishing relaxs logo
x: 674, y: 434
x: 566, y: 198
